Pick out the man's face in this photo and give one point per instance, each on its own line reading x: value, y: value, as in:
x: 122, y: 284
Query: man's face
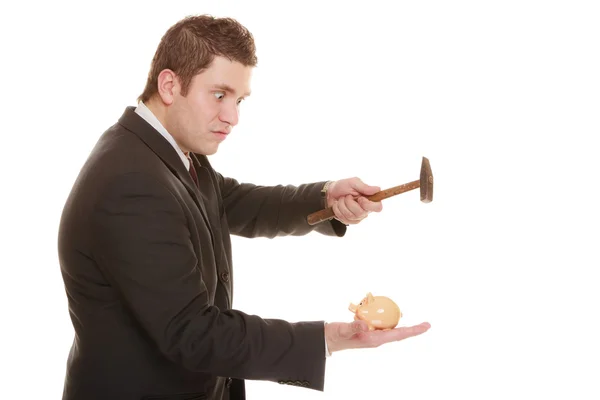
x: 201, y: 120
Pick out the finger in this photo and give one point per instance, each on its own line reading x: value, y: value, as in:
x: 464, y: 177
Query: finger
x: 370, y: 206
x: 363, y: 188
x: 338, y: 213
x: 378, y: 338
x: 344, y: 213
x: 355, y: 211
x: 354, y: 207
x: 410, y: 331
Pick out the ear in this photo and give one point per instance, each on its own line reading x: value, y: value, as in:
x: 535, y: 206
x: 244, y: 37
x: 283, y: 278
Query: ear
x: 370, y: 297
x: 168, y: 86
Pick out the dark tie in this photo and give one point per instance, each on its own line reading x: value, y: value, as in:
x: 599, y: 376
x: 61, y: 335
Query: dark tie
x: 193, y: 172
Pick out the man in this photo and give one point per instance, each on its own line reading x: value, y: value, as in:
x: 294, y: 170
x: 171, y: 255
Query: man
x: 144, y: 241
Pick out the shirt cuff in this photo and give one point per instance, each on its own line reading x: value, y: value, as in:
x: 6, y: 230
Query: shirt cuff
x: 327, y: 353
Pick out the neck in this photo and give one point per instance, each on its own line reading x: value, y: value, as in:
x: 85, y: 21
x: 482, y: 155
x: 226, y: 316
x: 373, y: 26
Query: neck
x: 160, y: 112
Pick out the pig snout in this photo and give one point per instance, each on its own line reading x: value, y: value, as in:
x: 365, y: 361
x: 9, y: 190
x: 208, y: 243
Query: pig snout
x: 353, y: 307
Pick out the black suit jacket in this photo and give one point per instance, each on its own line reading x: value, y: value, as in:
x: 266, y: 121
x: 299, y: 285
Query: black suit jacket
x: 146, y: 260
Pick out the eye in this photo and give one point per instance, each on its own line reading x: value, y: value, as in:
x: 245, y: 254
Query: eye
x: 219, y: 95
x: 239, y: 101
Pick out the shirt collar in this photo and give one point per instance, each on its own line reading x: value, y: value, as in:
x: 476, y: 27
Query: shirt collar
x: 143, y: 111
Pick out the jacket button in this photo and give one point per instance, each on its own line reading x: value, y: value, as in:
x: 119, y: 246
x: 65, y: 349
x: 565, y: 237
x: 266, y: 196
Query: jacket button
x: 225, y: 276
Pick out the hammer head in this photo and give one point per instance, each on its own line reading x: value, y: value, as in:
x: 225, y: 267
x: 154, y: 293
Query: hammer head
x: 426, y: 182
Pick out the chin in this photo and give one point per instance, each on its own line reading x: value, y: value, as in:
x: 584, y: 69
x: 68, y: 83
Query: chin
x: 206, y: 151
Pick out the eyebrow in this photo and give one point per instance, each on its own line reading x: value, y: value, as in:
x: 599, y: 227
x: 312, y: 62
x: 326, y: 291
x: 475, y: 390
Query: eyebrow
x: 227, y: 88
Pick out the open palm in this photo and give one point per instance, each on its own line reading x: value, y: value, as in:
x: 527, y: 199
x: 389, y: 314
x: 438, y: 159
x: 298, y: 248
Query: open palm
x: 355, y: 335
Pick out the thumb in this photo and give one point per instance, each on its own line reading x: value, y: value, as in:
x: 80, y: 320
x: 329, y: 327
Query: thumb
x: 348, y: 330
x: 363, y: 188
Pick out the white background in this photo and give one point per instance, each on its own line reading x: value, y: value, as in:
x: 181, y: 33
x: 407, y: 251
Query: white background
x: 502, y: 97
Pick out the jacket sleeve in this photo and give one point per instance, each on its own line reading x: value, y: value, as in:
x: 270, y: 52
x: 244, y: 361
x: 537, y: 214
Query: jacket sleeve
x: 143, y: 246
x: 270, y: 211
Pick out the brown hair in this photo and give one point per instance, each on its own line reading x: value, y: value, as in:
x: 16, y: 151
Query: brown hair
x: 189, y: 46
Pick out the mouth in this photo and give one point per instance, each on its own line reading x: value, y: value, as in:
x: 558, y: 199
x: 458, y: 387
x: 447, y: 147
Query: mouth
x: 221, y: 134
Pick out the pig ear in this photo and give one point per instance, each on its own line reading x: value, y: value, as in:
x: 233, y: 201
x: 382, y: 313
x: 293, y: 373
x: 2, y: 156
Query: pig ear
x: 370, y: 297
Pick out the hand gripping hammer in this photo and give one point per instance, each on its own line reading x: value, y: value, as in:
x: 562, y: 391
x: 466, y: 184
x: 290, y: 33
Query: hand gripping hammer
x: 425, y: 183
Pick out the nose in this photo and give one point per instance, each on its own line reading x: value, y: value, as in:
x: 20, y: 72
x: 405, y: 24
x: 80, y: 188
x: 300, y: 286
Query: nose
x: 230, y: 114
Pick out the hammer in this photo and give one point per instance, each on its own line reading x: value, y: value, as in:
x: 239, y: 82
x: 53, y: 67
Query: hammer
x: 425, y: 183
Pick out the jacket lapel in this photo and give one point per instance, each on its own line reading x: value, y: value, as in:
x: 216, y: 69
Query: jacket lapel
x: 208, y: 191
x: 163, y: 149
x: 212, y: 201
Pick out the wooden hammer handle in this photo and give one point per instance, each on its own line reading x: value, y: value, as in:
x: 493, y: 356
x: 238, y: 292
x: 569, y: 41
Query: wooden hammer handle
x: 328, y: 213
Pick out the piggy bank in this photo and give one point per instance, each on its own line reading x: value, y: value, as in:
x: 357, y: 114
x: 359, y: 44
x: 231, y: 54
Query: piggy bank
x: 379, y: 312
